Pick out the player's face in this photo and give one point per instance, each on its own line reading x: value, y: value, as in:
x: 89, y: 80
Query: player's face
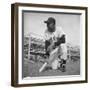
x: 51, y: 26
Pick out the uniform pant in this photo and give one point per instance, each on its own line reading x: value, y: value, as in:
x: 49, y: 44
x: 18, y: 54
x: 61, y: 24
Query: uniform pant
x: 57, y: 55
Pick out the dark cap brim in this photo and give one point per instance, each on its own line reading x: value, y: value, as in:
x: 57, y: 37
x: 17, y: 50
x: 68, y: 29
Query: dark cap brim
x: 45, y: 21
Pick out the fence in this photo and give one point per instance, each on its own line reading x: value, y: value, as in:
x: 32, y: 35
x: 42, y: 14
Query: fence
x: 34, y: 50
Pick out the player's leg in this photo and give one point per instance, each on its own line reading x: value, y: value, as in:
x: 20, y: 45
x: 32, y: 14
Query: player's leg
x: 53, y: 59
x: 63, y: 57
x: 50, y: 60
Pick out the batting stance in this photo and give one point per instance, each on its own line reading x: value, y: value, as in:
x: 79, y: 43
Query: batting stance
x: 55, y: 45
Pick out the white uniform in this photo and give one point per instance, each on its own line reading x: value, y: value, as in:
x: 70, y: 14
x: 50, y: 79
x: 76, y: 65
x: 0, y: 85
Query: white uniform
x: 62, y: 50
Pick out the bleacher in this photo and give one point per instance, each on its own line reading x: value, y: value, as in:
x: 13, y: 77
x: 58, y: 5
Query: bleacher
x: 34, y: 49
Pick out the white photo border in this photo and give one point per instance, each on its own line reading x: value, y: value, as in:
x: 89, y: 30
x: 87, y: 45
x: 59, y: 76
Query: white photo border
x: 67, y: 78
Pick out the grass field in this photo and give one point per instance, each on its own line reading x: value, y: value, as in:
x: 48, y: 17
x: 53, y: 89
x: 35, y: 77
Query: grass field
x: 32, y: 69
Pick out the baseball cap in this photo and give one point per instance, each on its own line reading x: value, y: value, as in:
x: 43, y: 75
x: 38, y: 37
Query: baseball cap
x: 50, y: 20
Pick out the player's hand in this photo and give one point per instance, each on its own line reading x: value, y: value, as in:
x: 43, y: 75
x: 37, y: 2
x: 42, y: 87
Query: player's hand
x: 50, y: 48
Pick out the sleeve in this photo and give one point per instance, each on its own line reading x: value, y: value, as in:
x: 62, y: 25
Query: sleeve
x: 60, y: 32
x: 45, y: 35
x: 47, y: 42
x: 61, y: 37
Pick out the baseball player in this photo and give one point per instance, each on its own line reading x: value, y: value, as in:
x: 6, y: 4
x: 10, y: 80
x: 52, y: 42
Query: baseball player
x: 55, y: 38
x: 55, y: 45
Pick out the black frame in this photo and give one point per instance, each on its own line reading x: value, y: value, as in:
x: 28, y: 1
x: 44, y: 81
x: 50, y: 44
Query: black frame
x: 14, y: 43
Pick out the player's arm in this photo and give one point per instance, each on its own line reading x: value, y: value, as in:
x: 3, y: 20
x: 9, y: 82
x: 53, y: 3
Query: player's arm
x: 60, y: 40
x: 47, y: 44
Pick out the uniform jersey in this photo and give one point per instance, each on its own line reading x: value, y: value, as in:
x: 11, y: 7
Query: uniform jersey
x: 53, y: 36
